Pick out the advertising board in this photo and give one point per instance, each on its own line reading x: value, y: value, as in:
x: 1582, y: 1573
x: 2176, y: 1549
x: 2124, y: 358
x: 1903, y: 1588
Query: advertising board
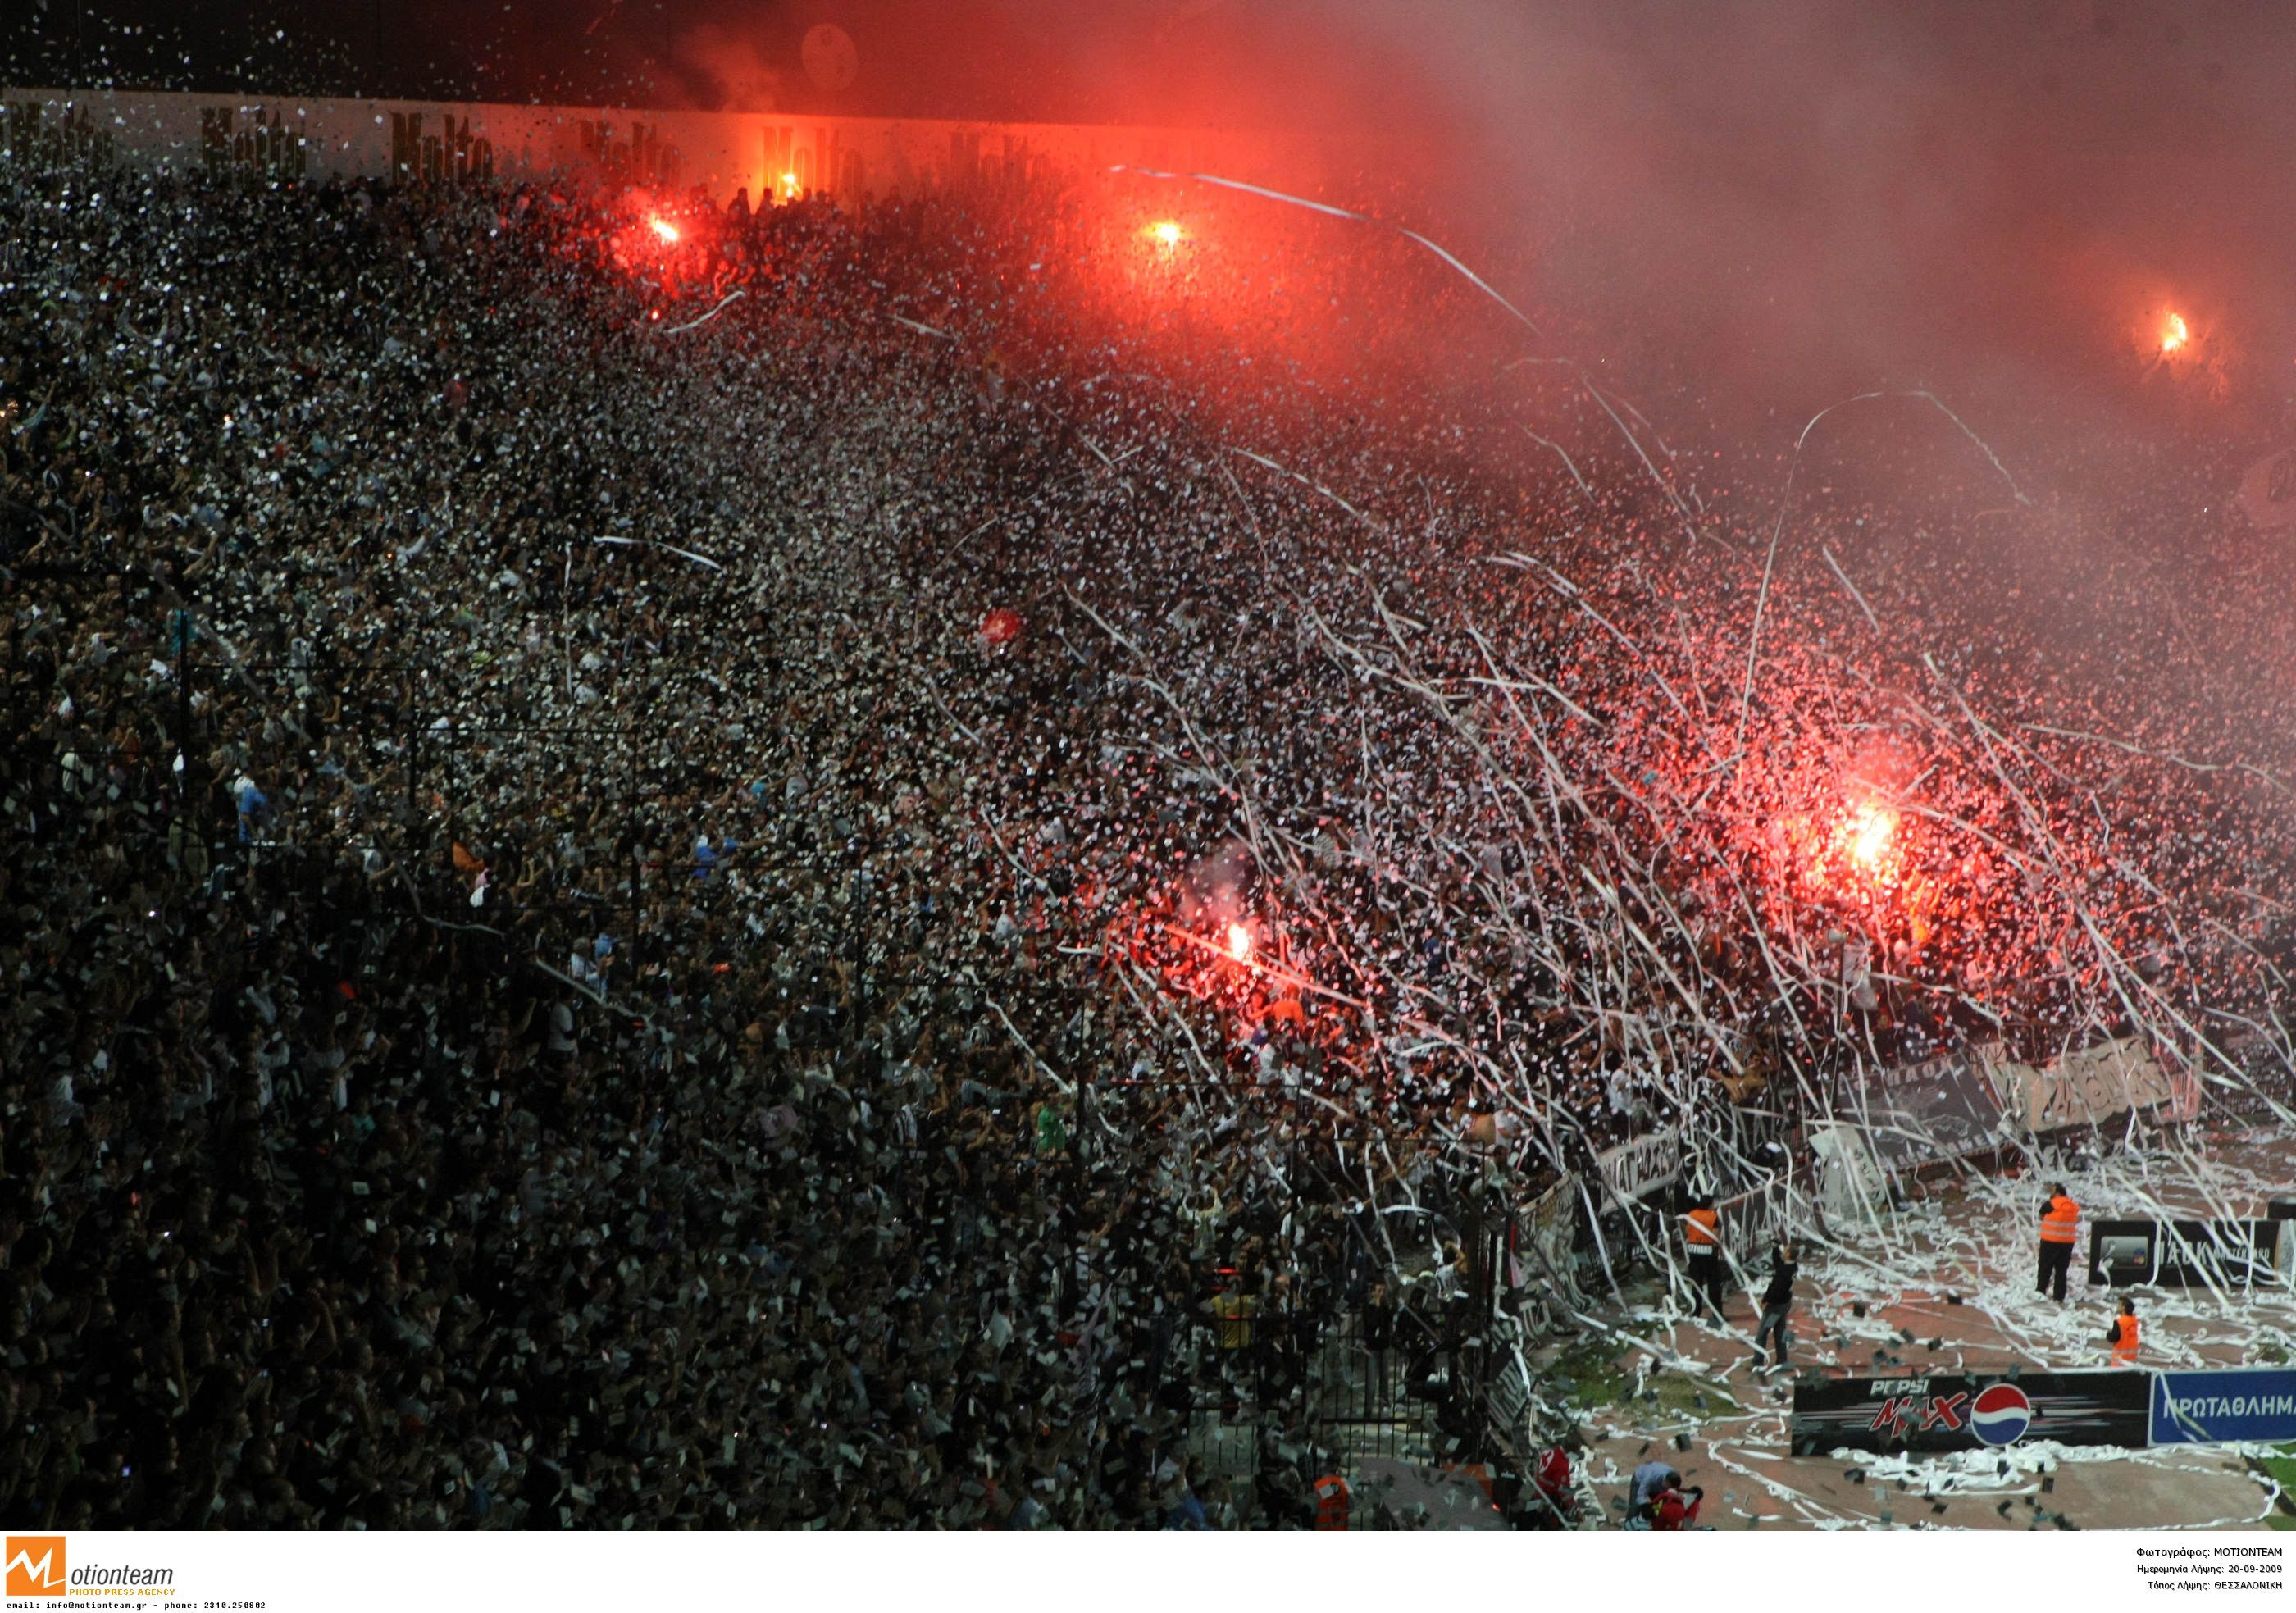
x: 1928, y: 1411
x: 2224, y: 1407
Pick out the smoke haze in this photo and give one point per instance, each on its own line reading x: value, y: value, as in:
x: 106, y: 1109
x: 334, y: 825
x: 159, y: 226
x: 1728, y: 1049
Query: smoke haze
x: 1794, y: 200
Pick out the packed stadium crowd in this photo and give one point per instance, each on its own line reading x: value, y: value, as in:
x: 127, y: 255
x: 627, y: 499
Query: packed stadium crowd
x: 779, y: 882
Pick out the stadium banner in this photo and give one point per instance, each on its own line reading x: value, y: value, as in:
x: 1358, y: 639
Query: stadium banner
x: 2084, y: 1088
x: 1940, y: 1108
x: 1546, y: 1235
x: 2224, y: 1407
x: 1633, y: 1170
x: 1963, y: 1411
x: 1755, y: 1219
x: 770, y: 154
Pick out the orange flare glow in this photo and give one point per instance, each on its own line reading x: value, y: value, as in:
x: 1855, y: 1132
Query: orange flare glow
x: 663, y: 228
x: 1872, y: 828
x: 2174, y: 334
x: 1166, y: 233
x: 1239, y: 943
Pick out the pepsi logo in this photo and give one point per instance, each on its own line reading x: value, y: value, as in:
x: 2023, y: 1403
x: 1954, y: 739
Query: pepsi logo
x: 2000, y: 1415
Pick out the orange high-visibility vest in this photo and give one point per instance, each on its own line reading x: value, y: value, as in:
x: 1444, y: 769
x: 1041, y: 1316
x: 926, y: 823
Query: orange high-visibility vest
x: 1700, y: 1232
x: 1331, y: 1501
x: 2124, y: 1343
x: 2057, y: 1224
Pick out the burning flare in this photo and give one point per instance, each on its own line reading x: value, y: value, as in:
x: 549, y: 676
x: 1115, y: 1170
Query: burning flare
x: 2174, y: 334
x: 1239, y: 943
x: 1872, y: 828
x: 663, y: 228
x: 1166, y: 233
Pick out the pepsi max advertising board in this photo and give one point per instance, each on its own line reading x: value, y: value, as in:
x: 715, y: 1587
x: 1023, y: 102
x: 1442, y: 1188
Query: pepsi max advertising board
x: 1971, y: 1411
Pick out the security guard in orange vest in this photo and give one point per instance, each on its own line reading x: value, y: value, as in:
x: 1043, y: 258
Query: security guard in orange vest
x: 1701, y: 1240
x: 2123, y: 1336
x: 1331, y: 1501
x: 2060, y: 1224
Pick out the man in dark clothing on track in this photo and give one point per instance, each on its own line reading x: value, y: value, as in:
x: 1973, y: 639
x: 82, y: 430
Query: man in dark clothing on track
x: 1777, y: 1306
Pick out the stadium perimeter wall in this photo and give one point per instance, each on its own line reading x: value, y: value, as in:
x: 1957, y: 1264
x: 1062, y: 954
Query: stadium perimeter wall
x: 853, y: 159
